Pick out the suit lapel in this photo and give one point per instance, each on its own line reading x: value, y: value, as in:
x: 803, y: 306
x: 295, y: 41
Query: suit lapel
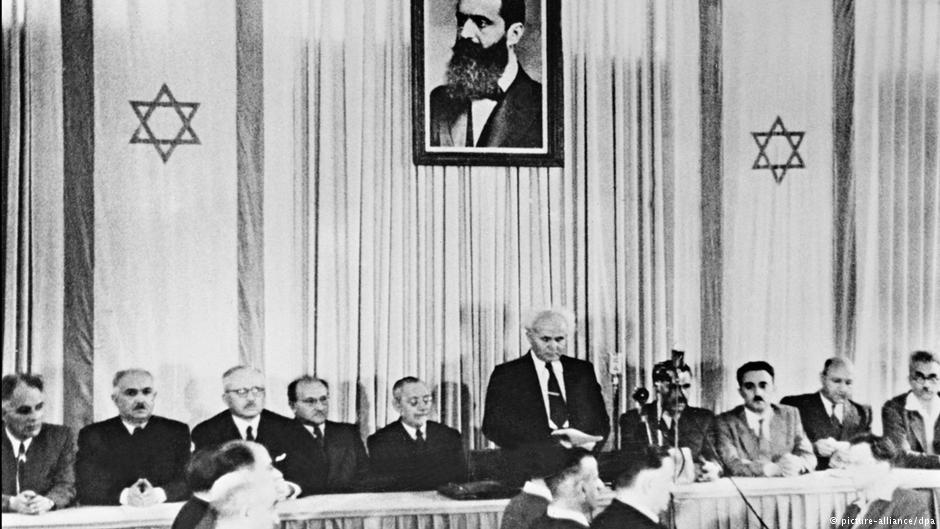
x: 916, y: 428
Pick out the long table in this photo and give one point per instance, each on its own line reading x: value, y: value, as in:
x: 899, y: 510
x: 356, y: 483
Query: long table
x: 805, y: 502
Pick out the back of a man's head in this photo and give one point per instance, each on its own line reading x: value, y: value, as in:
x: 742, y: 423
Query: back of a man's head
x: 244, y: 499
x: 649, y: 458
x: 209, y: 464
x: 569, y: 467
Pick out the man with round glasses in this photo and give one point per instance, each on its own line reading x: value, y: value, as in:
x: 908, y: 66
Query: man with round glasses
x: 414, y: 453
x: 912, y: 420
x: 247, y: 419
x: 137, y: 458
x: 338, y: 453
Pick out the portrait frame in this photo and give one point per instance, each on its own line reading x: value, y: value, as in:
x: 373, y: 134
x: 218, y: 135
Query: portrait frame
x: 539, y: 52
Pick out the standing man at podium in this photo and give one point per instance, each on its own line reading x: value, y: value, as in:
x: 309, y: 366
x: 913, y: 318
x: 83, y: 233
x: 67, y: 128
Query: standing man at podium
x: 545, y: 396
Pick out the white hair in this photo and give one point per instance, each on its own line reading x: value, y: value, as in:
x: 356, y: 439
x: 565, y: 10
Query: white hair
x: 533, y: 316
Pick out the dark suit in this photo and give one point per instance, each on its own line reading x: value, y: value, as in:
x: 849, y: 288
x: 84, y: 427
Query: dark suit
x: 48, y: 469
x: 619, y: 515
x: 346, y: 463
x: 906, y: 429
x: 522, y: 510
x: 856, y: 419
x: 742, y: 453
x: 905, y: 504
x: 516, y: 121
x: 111, y: 459
x: 693, y: 429
x: 191, y: 513
x: 284, y: 438
x: 515, y: 415
x: 398, y: 463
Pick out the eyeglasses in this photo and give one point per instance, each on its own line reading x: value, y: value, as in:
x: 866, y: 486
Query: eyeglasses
x: 243, y: 392
x: 920, y: 378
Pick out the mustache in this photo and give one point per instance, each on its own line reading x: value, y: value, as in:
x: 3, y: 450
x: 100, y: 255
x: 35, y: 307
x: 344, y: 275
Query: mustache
x: 140, y: 406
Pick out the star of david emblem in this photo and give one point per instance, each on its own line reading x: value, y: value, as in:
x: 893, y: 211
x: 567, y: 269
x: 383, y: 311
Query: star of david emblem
x: 162, y: 108
x: 793, y: 139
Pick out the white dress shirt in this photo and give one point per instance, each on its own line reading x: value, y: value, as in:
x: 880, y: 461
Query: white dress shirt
x: 243, y: 425
x: 828, y: 404
x: 930, y: 413
x: 542, y: 373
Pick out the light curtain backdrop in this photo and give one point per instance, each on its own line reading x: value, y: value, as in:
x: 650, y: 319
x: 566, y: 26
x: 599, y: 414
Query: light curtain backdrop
x: 299, y: 236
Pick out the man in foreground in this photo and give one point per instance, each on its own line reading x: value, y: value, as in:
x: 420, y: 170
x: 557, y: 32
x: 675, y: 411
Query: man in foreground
x: 641, y: 491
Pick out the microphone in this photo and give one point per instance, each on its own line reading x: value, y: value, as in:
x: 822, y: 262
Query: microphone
x: 641, y: 395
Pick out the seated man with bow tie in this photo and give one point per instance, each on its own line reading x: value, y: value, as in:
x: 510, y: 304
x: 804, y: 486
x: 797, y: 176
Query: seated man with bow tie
x: 37, y: 457
x: 489, y: 100
x: 830, y: 418
x: 137, y: 458
x: 414, y: 453
x: 761, y: 438
x: 880, y: 503
x: 248, y: 420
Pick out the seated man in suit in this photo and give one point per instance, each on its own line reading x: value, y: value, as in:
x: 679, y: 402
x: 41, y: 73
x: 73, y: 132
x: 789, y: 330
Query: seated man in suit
x: 880, y: 502
x: 37, y: 457
x: 641, y: 491
x: 761, y: 438
x: 912, y: 420
x: 414, y: 453
x: 576, y: 490
x: 489, y: 100
x: 544, y: 396
x: 246, y: 419
x: 136, y: 458
x: 341, y: 457
x: 830, y: 418
x: 655, y: 423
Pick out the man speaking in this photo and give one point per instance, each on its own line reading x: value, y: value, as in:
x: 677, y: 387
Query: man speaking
x: 545, y: 396
x: 489, y: 100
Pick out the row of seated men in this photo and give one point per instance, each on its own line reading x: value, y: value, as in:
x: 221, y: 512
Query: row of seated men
x: 544, y: 397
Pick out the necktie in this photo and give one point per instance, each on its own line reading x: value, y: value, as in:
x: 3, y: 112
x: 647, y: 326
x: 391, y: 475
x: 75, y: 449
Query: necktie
x: 137, y: 431
x: 836, y: 423
x: 419, y: 439
x: 557, y: 410
x: 20, y: 464
x: 249, y: 434
x: 469, y: 142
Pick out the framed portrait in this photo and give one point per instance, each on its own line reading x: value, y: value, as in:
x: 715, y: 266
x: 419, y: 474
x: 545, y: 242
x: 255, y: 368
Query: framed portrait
x: 487, y: 82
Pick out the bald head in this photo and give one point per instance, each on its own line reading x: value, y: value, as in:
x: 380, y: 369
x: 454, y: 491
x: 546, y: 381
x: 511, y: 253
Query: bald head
x: 837, y: 378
